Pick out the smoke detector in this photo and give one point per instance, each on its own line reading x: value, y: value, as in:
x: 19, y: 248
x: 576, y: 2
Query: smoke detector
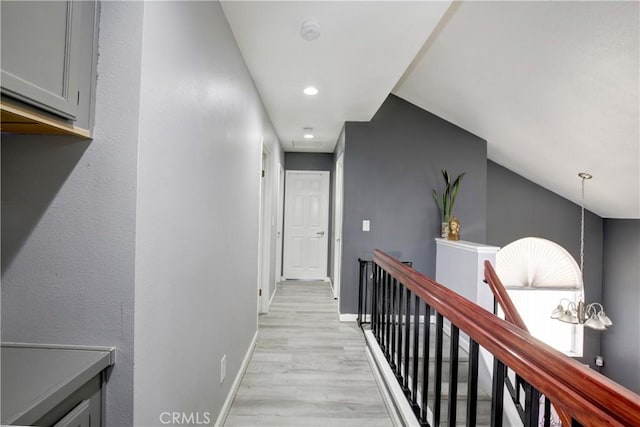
x: 310, y: 30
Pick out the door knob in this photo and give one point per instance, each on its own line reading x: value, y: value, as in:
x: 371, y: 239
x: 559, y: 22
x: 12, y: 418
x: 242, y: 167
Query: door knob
x: 320, y: 233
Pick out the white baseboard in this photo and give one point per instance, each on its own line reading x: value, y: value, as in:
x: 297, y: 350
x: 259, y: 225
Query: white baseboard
x: 226, y: 407
x: 350, y: 317
x: 394, y: 398
x: 272, y: 297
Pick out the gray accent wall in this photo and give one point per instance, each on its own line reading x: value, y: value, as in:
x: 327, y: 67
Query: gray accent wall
x: 391, y: 164
x: 315, y: 162
x: 68, y: 220
x: 621, y: 298
x: 517, y: 208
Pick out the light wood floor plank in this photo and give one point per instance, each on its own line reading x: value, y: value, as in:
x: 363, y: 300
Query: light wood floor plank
x: 308, y: 369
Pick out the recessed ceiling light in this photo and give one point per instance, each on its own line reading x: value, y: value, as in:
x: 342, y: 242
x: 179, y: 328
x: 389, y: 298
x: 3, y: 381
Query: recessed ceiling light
x: 310, y: 30
x: 308, y: 133
x: 310, y: 90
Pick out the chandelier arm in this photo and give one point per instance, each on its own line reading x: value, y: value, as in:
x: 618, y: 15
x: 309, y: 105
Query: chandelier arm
x: 594, y: 304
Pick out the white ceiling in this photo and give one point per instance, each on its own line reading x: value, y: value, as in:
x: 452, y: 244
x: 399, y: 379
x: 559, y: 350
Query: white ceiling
x: 363, y: 50
x: 552, y: 86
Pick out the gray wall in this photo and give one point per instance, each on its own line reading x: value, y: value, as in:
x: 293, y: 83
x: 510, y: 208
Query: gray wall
x: 201, y: 128
x: 621, y: 298
x: 157, y: 216
x: 517, y: 208
x: 315, y: 162
x: 391, y: 164
x: 68, y: 220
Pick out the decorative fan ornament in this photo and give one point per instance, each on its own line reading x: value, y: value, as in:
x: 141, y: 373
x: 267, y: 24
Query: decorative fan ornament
x: 533, y: 262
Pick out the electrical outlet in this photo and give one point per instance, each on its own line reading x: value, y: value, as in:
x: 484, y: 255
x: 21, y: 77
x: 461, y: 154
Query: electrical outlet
x: 223, y: 368
x: 599, y: 361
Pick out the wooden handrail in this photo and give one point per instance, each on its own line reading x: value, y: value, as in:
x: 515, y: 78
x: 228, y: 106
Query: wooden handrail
x: 590, y: 398
x: 502, y: 297
x: 512, y: 315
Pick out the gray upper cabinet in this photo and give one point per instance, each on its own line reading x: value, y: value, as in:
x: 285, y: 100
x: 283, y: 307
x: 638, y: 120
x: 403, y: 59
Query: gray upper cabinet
x: 42, y: 53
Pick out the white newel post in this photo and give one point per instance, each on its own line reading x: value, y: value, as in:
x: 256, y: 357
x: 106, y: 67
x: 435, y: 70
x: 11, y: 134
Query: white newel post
x: 460, y: 267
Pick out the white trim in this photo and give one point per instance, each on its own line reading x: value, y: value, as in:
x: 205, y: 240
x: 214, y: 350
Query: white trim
x: 338, y: 214
x: 226, y: 407
x: 279, y: 237
x: 348, y: 317
x: 328, y: 280
x: 272, y: 297
x: 394, y: 398
x: 468, y: 246
x: 265, y: 237
x: 382, y: 388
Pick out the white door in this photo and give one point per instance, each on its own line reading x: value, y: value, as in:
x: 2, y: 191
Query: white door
x: 337, y: 221
x: 306, y: 222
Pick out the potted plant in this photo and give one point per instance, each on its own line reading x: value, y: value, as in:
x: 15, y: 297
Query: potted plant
x: 447, y: 200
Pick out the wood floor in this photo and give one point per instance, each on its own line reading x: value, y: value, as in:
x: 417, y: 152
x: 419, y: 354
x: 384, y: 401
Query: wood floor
x: 308, y: 369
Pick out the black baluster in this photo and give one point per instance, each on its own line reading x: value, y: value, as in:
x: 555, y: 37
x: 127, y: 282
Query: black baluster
x: 378, y: 278
x: 425, y: 360
x: 416, y: 351
x: 359, y: 292
x: 472, y: 383
x: 438, y: 371
x: 498, y: 393
x: 399, y: 326
x: 374, y: 302
x: 453, y: 374
x: 532, y: 406
x: 394, y: 321
x: 547, y: 412
x: 407, y: 331
x: 368, y: 289
x: 386, y: 290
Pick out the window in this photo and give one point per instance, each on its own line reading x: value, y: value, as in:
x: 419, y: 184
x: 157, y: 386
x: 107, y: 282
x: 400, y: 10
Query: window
x: 538, y: 273
x: 535, y: 306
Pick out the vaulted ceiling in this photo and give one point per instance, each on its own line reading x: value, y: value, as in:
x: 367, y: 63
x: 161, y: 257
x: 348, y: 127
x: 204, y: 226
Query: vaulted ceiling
x: 552, y: 86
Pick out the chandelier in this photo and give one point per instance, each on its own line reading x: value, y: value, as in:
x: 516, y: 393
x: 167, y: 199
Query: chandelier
x: 590, y: 315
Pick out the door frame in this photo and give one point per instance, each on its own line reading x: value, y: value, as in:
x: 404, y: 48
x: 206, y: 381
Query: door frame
x: 264, y: 245
x: 328, y: 196
x: 337, y: 224
x: 280, y: 225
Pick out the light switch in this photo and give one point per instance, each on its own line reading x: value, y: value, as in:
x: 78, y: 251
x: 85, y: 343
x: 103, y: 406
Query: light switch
x: 366, y: 225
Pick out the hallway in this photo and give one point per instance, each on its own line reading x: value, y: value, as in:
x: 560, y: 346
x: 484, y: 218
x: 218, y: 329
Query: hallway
x: 308, y: 369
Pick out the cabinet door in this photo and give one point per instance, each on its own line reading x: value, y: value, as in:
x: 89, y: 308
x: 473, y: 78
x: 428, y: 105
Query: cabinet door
x: 39, y: 54
x: 80, y: 416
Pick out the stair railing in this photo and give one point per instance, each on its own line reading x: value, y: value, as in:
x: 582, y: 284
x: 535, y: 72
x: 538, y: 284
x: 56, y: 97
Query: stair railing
x: 512, y: 315
x: 401, y: 294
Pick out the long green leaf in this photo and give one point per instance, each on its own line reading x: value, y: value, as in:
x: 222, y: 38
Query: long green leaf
x: 437, y: 199
x: 445, y: 204
x: 454, y: 194
x: 447, y: 178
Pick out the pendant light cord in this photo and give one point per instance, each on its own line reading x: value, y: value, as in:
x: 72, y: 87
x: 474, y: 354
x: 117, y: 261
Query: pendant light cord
x: 582, y: 232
